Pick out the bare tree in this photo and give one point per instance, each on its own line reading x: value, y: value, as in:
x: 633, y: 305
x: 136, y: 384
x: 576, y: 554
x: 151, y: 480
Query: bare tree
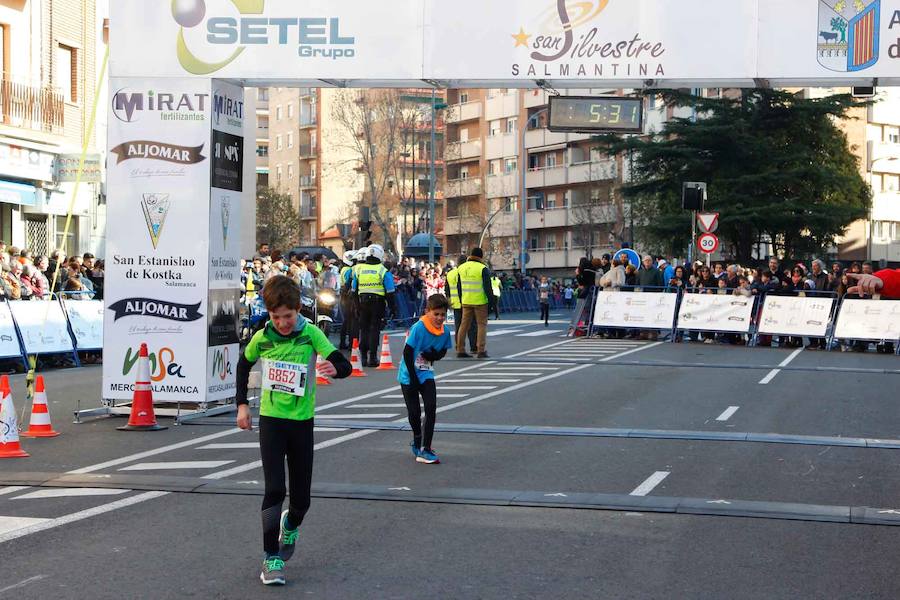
x: 277, y: 222
x: 598, y: 213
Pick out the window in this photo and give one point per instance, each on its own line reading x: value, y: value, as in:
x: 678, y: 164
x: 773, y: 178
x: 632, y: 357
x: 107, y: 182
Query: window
x: 278, y: 145
x: 892, y: 135
x: 494, y: 167
x: 565, y: 242
x: 887, y: 230
x: 551, y: 242
x: 464, y: 172
x: 534, y: 241
x: 262, y: 150
x: 290, y: 171
x: 536, y: 202
x: 512, y: 204
x: 511, y: 125
x: 495, y: 128
x: 551, y: 200
x: 4, y: 48
x: 463, y: 135
x: 291, y: 110
x: 891, y: 182
x: 278, y: 175
x: 262, y: 94
x: 67, y: 72
x: 534, y: 162
x: 551, y: 160
x: 463, y: 97
x: 262, y: 123
x: 509, y: 165
x: 278, y: 113
x: 290, y: 140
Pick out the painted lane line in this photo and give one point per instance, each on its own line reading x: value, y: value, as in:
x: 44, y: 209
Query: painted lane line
x: 394, y: 405
x: 502, y: 332
x: 439, y: 395
x: 70, y: 492
x: 508, y: 373
x: 12, y: 489
x: 78, y: 516
x: 538, y: 349
x: 765, y: 380
x: 8, y: 524
x: 329, y: 429
x: 484, y: 380
x: 728, y: 413
x: 530, y: 367
x: 231, y: 446
x: 468, y: 387
x: 650, y: 483
x: 360, y: 416
x: 23, y: 583
x: 182, y: 464
x: 540, y: 333
x: 632, y: 351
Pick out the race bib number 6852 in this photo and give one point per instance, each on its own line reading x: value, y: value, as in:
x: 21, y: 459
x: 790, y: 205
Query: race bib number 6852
x: 285, y: 377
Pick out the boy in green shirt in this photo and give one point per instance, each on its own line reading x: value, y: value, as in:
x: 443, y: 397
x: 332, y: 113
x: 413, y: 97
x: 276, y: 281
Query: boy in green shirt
x: 288, y: 347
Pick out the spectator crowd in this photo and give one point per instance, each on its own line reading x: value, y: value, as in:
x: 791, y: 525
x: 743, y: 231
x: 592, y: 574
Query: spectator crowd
x: 24, y: 276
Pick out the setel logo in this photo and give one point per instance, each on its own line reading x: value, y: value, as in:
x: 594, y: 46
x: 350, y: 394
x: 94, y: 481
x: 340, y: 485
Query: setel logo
x: 221, y: 363
x: 316, y: 37
x: 128, y: 106
x: 162, y: 364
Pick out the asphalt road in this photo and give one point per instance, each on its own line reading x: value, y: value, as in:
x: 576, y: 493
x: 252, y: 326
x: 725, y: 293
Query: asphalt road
x: 570, y: 468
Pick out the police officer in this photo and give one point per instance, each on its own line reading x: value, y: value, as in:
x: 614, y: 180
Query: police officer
x: 349, y: 327
x: 373, y: 285
x: 495, y: 287
x: 476, y: 295
x: 456, y: 304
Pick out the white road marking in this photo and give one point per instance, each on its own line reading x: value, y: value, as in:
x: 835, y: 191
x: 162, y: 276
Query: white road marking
x: 359, y: 416
x: 632, y: 351
x: 440, y: 394
x: 503, y: 373
x: 231, y: 446
x: 530, y: 367
x: 650, y: 483
x: 540, y: 332
x: 765, y: 380
x: 727, y: 414
x: 484, y: 380
x: 70, y: 492
x: 8, y: 524
x: 177, y: 464
x: 23, y: 583
x: 502, y: 332
x: 468, y: 387
x: 394, y: 405
x: 538, y: 349
x: 329, y: 429
x: 12, y: 489
x: 45, y: 524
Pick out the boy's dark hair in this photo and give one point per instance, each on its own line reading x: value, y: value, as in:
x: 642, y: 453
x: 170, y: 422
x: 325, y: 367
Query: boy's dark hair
x: 437, y: 302
x: 767, y: 274
x: 281, y: 291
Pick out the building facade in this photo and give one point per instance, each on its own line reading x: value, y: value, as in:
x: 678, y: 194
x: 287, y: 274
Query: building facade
x: 51, y: 54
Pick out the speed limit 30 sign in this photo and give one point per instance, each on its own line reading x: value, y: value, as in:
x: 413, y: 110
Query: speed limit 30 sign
x: 708, y: 243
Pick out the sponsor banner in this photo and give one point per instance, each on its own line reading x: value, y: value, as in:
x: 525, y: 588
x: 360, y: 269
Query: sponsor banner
x: 86, y: 319
x: 156, y: 276
x: 26, y: 163
x: 227, y: 161
x: 635, y: 310
x: 43, y: 326
x: 868, y: 320
x: 222, y: 371
x: 9, y: 341
x: 797, y: 316
x: 715, y: 312
x: 224, y: 307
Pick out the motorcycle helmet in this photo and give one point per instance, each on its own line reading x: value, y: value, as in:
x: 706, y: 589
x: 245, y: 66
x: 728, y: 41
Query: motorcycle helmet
x: 349, y: 255
x: 377, y: 251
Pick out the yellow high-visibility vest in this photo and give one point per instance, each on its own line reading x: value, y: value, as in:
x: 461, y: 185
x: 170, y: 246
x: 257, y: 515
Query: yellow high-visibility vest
x: 452, y: 279
x: 370, y: 279
x: 495, y: 285
x: 470, y: 281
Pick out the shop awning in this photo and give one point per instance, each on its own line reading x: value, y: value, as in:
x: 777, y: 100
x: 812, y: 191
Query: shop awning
x: 17, y: 193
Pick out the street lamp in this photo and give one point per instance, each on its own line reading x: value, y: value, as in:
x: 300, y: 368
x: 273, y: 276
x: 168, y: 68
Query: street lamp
x: 522, y: 192
x: 435, y: 106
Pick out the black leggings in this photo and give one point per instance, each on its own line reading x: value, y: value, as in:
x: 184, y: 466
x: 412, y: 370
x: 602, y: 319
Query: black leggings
x: 371, y: 312
x: 280, y: 438
x: 545, y: 312
x: 429, y: 398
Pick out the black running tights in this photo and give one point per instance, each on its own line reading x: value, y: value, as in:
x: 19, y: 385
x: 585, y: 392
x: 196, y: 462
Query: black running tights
x: 429, y: 398
x: 280, y: 439
x: 545, y: 312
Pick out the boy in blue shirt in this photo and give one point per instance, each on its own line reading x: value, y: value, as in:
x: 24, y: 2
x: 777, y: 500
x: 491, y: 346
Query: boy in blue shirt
x: 427, y: 342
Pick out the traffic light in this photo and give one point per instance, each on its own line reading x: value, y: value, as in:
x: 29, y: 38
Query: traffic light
x: 364, y: 236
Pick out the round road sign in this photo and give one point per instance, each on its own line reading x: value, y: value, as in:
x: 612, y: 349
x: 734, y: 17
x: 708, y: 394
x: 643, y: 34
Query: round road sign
x: 708, y: 243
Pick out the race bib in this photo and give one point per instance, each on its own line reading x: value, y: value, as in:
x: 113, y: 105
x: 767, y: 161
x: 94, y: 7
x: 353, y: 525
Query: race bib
x: 423, y: 365
x: 285, y: 377
x: 544, y: 294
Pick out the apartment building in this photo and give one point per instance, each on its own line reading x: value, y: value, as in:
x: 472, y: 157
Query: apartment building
x: 573, y: 206
x: 262, y: 134
x: 50, y: 55
x: 882, y: 163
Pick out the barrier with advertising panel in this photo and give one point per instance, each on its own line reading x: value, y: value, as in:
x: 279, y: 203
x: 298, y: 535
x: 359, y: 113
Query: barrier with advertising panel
x: 43, y: 326
x: 9, y: 340
x: 799, y: 316
x: 635, y: 310
x: 864, y: 319
x: 716, y: 312
x: 86, y: 319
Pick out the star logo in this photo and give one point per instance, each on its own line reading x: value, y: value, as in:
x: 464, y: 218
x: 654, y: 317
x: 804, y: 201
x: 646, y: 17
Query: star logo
x: 521, y: 37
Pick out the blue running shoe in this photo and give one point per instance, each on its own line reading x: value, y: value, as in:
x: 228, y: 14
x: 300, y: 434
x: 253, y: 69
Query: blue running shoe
x: 287, y: 538
x: 427, y: 456
x: 416, y: 452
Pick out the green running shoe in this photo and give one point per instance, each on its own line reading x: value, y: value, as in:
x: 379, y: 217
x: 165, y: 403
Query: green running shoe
x: 287, y: 538
x: 272, y: 571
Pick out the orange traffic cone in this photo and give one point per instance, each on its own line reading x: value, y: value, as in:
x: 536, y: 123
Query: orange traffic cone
x: 9, y: 428
x: 387, y: 363
x: 142, y: 417
x: 355, y: 361
x: 320, y: 380
x: 39, y: 425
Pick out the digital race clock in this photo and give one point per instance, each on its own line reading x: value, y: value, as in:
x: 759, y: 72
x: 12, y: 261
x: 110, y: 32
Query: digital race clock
x: 596, y: 114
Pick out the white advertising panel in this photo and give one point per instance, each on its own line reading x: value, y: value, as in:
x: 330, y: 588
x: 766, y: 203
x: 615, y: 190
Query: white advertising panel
x: 801, y: 317
x: 157, y: 235
x: 227, y: 183
x: 266, y: 39
x: 86, y: 319
x: 43, y: 326
x: 868, y: 320
x: 637, y: 310
x: 9, y: 342
x: 715, y: 312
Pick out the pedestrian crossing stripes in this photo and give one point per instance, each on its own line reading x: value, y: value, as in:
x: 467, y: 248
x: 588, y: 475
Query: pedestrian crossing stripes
x: 185, y: 464
x: 70, y: 493
x: 541, y: 332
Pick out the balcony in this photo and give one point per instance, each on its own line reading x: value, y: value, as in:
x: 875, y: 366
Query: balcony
x: 469, y: 111
x: 308, y: 210
x: 883, y: 157
x: 501, y: 146
x: 308, y: 121
x: 307, y: 91
x: 546, y: 177
x: 551, y: 259
x: 33, y: 108
x: 501, y: 186
x: 886, y: 206
x: 551, y: 217
x: 463, y: 150
x: 307, y: 151
x: 592, y: 171
x: 470, y: 186
x: 502, y: 106
x: 535, y: 138
x: 462, y: 224
x: 307, y: 181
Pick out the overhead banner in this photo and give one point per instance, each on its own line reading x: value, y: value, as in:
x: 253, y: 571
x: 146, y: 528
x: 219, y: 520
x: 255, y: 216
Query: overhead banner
x: 43, y: 326
x: 635, y: 310
x: 157, y: 246
x: 86, y: 319
x: 473, y: 43
x: 861, y: 319
x: 796, y: 316
x: 715, y: 312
